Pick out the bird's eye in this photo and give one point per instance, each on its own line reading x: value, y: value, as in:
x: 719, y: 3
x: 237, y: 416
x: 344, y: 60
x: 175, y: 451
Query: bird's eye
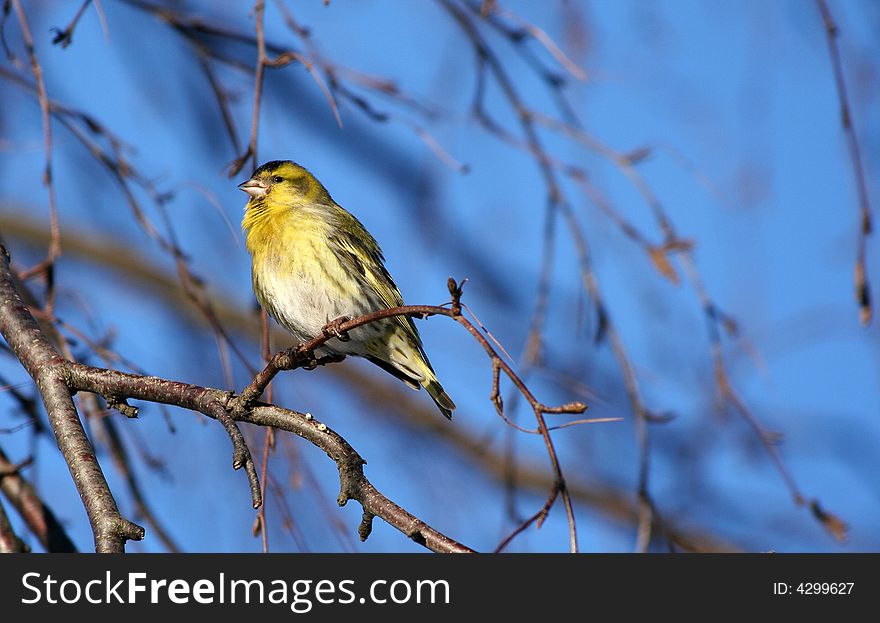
x: 277, y: 179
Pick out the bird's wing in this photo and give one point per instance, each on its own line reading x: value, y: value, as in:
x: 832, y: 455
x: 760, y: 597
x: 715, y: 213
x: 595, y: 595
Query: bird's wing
x: 355, y: 245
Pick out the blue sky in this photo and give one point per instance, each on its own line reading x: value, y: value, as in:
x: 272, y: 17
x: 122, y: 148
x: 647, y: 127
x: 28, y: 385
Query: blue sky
x: 736, y: 101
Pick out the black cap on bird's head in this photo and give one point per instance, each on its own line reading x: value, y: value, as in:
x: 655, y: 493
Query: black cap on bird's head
x: 272, y: 166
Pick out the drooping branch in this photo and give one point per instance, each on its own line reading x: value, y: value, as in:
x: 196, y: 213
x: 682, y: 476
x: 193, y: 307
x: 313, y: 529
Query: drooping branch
x: 489, y: 63
x: 262, y: 63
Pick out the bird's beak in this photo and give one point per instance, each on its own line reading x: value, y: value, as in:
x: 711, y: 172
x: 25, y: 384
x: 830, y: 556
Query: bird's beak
x: 255, y: 188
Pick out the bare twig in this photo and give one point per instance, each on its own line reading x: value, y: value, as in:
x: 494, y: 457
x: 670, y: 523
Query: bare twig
x: 14, y: 429
x: 647, y: 511
x: 65, y: 37
x: 863, y: 288
x: 262, y: 63
x: 40, y: 85
x: 14, y: 470
x: 219, y: 95
x: 241, y: 455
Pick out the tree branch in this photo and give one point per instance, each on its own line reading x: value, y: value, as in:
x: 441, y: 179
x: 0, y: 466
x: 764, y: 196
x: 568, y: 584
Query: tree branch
x: 47, y: 367
x: 43, y: 98
x: 353, y: 483
x: 863, y: 289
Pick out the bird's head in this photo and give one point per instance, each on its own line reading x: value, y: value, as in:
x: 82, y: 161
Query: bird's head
x: 285, y: 181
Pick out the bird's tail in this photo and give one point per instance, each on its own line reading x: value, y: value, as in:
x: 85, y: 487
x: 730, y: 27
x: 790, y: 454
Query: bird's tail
x: 439, y: 395
x: 428, y: 380
x: 413, y: 368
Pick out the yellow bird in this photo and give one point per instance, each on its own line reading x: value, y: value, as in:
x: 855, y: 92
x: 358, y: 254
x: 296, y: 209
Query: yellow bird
x: 314, y: 262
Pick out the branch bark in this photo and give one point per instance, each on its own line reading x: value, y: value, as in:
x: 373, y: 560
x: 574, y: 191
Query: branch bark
x: 354, y: 485
x: 48, y: 369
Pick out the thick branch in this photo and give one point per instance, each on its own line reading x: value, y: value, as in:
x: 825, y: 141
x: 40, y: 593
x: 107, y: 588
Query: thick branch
x: 47, y: 367
x: 353, y: 483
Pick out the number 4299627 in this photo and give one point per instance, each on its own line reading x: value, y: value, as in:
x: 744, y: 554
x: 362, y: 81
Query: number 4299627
x: 814, y: 588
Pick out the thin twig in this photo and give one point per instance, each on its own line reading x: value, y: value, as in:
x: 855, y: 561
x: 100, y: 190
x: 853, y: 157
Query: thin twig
x: 43, y: 98
x: 65, y: 37
x: 863, y: 288
x: 262, y: 61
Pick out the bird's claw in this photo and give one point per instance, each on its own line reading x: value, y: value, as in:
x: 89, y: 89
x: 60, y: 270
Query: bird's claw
x: 304, y: 359
x: 313, y: 362
x: 333, y: 329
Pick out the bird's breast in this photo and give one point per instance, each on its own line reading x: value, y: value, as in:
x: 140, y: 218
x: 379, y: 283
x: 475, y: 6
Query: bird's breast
x: 300, y: 281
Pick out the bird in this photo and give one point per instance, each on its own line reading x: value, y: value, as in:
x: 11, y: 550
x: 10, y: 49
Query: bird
x: 313, y: 262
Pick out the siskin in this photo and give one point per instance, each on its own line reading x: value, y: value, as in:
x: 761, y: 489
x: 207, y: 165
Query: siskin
x: 314, y: 262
